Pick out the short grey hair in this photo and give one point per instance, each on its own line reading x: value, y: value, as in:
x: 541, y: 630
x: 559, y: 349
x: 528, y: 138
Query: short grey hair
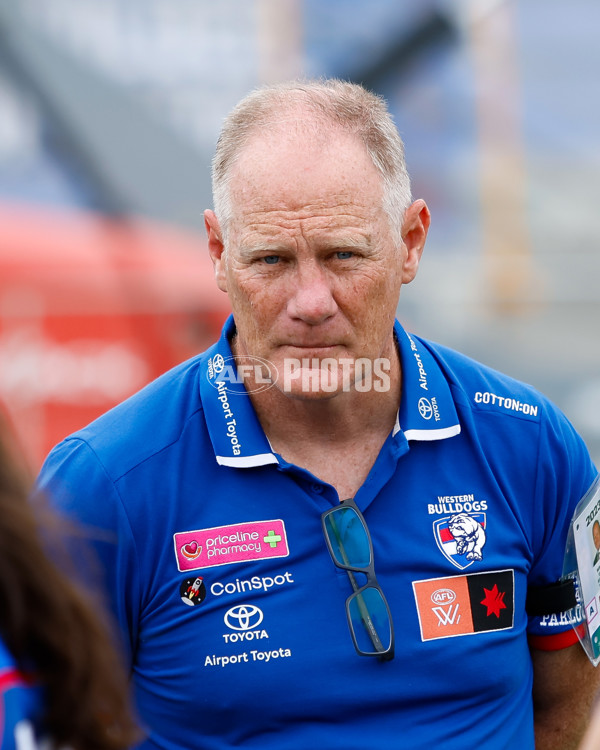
x: 334, y: 103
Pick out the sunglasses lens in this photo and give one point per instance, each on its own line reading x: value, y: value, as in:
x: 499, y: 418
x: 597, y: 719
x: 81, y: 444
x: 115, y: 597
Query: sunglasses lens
x: 348, y: 538
x: 370, y: 621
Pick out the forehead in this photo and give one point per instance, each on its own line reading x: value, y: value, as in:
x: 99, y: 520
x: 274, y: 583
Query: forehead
x: 297, y: 172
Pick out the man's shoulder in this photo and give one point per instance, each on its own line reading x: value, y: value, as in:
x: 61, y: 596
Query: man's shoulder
x: 515, y: 424
x: 484, y: 389
x: 144, y: 424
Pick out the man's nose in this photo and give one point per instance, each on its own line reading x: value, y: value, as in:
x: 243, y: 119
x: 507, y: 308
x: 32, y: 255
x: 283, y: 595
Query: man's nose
x: 311, y: 298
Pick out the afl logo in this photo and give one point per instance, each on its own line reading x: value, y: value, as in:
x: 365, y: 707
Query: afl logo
x: 425, y: 408
x: 243, y: 617
x: 243, y: 373
x: 443, y: 596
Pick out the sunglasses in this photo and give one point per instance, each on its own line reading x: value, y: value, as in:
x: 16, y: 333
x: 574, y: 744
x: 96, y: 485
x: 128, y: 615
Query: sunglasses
x: 367, y: 610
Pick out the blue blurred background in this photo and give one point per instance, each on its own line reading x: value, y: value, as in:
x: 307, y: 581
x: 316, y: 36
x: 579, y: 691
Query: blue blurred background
x: 112, y: 108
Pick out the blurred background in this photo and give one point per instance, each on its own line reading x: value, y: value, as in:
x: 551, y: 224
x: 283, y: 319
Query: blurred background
x: 109, y: 112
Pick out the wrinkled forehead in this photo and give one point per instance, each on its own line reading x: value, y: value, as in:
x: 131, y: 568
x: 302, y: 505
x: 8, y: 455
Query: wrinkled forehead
x: 299, y: 164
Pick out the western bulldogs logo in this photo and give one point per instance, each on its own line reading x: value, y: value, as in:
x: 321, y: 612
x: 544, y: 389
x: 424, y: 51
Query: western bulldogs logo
x: 461, y: 538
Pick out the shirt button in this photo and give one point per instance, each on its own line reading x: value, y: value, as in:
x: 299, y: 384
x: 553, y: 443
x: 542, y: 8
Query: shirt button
x: 318, y: 488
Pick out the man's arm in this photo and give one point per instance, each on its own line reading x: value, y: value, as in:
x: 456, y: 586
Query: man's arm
x: 102, y: 547
x: 564, y: 686
x: 591, y: 740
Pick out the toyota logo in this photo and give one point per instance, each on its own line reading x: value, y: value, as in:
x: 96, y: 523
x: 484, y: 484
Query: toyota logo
x: 425, y: 408
x: 218, y: 362
x: 243, y: 617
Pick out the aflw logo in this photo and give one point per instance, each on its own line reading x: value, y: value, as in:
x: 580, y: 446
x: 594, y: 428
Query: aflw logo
x: 445, y: 612
x: 465, y: 604
x: 447, y: 616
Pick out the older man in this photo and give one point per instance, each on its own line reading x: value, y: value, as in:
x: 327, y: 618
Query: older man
x: 260, y: 611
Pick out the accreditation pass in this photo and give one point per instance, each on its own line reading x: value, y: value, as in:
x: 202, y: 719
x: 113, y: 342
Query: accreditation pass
x: 586, y: 536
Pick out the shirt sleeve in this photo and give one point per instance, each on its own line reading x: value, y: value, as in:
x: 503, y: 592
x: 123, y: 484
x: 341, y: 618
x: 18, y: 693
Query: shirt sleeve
x: 19, y: 711
x: 101, y: 541
x: 565, y: 472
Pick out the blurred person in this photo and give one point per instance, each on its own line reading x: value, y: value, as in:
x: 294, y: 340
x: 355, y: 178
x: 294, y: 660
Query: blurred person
x: 61, y: 683
x: 331, y: 532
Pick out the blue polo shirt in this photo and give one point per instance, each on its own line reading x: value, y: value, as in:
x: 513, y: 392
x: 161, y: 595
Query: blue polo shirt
x: 232, y: 612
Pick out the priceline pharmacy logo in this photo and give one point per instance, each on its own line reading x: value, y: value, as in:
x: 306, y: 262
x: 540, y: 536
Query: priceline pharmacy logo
x: 308, y: 375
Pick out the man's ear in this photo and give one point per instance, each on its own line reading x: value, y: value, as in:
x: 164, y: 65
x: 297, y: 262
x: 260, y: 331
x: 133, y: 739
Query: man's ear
x: 414, y: 233
x: 216, y: 248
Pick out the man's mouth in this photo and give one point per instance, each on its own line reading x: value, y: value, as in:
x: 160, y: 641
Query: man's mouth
x: 312, y: 344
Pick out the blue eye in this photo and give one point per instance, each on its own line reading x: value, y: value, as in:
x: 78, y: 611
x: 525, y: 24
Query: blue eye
x: 344, y: 254
x: 271, y: 259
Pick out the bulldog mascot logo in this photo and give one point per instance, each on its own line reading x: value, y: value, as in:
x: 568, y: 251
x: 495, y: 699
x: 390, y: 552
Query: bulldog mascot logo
x: 461, y: 538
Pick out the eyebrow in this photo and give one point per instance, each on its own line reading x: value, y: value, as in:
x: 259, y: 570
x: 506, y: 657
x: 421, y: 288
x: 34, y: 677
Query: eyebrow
x: 364, y: 241
x: 250, y: 251
x: 327, y: 243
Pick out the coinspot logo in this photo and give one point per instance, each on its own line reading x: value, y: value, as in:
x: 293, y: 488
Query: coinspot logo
x: 243, y: 617
x: 254, y: 374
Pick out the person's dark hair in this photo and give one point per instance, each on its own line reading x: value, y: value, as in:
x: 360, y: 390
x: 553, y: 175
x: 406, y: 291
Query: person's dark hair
x: 52, y: 631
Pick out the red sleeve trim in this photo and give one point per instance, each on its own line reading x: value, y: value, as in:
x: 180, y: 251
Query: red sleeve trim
x: 10, y: 678
x: 556, y: 641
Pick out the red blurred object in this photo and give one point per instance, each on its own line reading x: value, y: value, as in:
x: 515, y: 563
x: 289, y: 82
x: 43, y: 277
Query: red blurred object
x: 92, y: 309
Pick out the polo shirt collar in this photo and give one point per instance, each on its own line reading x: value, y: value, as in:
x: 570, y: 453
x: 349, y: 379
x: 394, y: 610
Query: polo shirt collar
x: 427, y: 410
x: 235, y: 432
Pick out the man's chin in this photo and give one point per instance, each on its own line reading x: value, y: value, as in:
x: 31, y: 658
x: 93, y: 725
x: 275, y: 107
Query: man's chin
x: 299, y: 394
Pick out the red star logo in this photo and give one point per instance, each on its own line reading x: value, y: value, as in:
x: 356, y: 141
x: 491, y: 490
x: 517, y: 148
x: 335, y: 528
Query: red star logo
x: 494, y: 601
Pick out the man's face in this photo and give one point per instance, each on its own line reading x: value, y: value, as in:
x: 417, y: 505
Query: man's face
x: 311, y: 267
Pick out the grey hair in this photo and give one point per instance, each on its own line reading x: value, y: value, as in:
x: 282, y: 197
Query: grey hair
x: 336, y: 103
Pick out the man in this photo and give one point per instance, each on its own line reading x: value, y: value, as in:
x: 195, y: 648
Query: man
x: 207, y: 489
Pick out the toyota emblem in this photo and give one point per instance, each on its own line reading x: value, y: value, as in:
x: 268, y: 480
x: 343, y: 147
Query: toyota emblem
x: 243, y: 617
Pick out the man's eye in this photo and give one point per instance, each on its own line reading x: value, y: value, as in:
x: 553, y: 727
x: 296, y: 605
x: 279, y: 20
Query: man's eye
x: 344, y: 254
x: 271, y: 259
